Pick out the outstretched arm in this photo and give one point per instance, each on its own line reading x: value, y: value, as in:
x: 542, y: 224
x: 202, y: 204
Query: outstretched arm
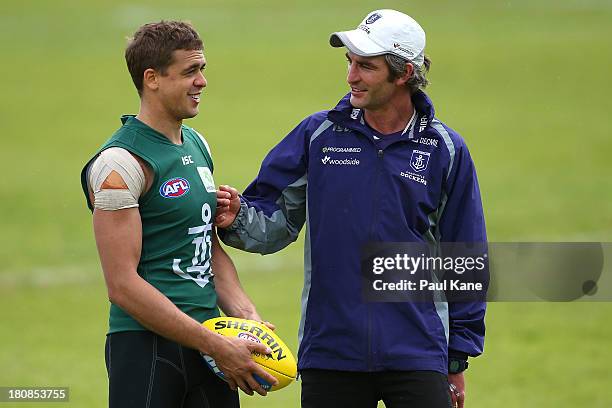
x: 272, y: 210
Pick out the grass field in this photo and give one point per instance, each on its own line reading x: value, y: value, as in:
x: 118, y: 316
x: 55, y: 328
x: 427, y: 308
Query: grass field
x: 526, y: 83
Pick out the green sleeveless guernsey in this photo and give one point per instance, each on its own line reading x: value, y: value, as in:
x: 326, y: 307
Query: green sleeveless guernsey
x: 177, y: 216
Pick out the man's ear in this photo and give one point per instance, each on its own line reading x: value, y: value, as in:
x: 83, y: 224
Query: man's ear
x: 406, y: 77
x: 150, y: 79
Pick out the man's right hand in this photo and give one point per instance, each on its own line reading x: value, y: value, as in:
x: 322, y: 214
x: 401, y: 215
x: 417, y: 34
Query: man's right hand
x: 228, y: 205
x: 233, y: 357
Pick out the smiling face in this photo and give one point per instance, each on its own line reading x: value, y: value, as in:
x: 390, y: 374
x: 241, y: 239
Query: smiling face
x: 368, y: 78
x: 179, y: 88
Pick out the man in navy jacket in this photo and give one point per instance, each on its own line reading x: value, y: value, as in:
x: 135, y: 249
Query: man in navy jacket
x: 379, y: 167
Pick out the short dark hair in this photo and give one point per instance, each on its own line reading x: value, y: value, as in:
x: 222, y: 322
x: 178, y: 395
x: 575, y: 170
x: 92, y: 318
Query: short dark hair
x: 153, y: 44
x: 397, y: 68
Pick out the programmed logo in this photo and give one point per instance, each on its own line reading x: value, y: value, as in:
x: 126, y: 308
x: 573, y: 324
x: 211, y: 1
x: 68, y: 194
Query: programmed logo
x: 174, y: 188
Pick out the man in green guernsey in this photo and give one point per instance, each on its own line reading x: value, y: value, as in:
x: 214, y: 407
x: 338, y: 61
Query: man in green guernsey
x: 152, y: 194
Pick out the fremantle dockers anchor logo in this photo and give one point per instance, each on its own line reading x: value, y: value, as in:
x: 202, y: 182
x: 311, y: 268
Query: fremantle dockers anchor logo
x: 419, y: 160
x: 373, y: 18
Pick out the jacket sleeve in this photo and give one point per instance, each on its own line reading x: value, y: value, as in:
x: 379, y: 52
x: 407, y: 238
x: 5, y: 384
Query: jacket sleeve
x: 463, y: 221
x: 273, y: 206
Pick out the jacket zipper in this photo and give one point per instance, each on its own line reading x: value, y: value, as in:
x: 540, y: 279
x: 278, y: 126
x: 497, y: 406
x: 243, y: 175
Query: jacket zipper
x: 379, y: 154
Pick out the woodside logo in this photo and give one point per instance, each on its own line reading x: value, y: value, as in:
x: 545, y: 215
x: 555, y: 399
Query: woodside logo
x: 342, y: 162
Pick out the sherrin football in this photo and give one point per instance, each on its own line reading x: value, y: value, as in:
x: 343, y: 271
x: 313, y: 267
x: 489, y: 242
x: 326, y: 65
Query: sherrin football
x: 280, y: 363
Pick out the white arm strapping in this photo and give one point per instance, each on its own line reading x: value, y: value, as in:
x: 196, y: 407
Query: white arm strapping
x: 121, y: 161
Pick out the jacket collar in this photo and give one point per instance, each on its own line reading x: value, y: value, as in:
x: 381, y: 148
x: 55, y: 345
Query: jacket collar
x: 346, y: 115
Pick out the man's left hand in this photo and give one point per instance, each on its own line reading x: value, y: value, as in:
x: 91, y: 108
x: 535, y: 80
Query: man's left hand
x: 228, y: 205
x: 457, y: 389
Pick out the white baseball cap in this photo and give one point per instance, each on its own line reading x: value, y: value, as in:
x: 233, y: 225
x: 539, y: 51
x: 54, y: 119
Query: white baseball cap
x: 384, y: 32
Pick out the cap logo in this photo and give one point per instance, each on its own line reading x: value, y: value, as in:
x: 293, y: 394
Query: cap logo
x: 364, y: 28
x: 399, y: 47
x: 372, y: 18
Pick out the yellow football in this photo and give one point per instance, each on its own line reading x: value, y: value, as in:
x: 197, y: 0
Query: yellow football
x: 280, y: 363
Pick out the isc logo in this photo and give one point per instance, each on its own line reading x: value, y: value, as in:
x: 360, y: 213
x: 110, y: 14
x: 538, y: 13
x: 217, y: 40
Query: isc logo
x: 174, y: 188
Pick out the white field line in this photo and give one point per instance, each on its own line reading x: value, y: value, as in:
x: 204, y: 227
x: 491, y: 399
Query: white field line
x: 246, y: 264
x: 51, y: 276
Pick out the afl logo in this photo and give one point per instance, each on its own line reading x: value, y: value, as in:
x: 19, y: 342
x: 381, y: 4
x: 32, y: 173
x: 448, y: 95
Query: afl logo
x: 174, y: 188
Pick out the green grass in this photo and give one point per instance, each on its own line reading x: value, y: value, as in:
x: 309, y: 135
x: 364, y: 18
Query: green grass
x: 525, y: 82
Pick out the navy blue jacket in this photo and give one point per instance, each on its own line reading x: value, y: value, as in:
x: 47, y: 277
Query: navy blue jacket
x: 332, y: 174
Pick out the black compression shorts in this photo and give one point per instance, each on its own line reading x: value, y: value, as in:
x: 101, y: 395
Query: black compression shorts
x: 148, y: 371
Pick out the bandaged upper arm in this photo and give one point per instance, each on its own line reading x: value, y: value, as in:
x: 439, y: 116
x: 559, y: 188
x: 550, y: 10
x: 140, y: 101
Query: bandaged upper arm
x: 116, y: 179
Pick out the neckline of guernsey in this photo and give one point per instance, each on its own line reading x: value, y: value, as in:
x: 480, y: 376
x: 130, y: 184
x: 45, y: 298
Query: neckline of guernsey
x: 132, y: 121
